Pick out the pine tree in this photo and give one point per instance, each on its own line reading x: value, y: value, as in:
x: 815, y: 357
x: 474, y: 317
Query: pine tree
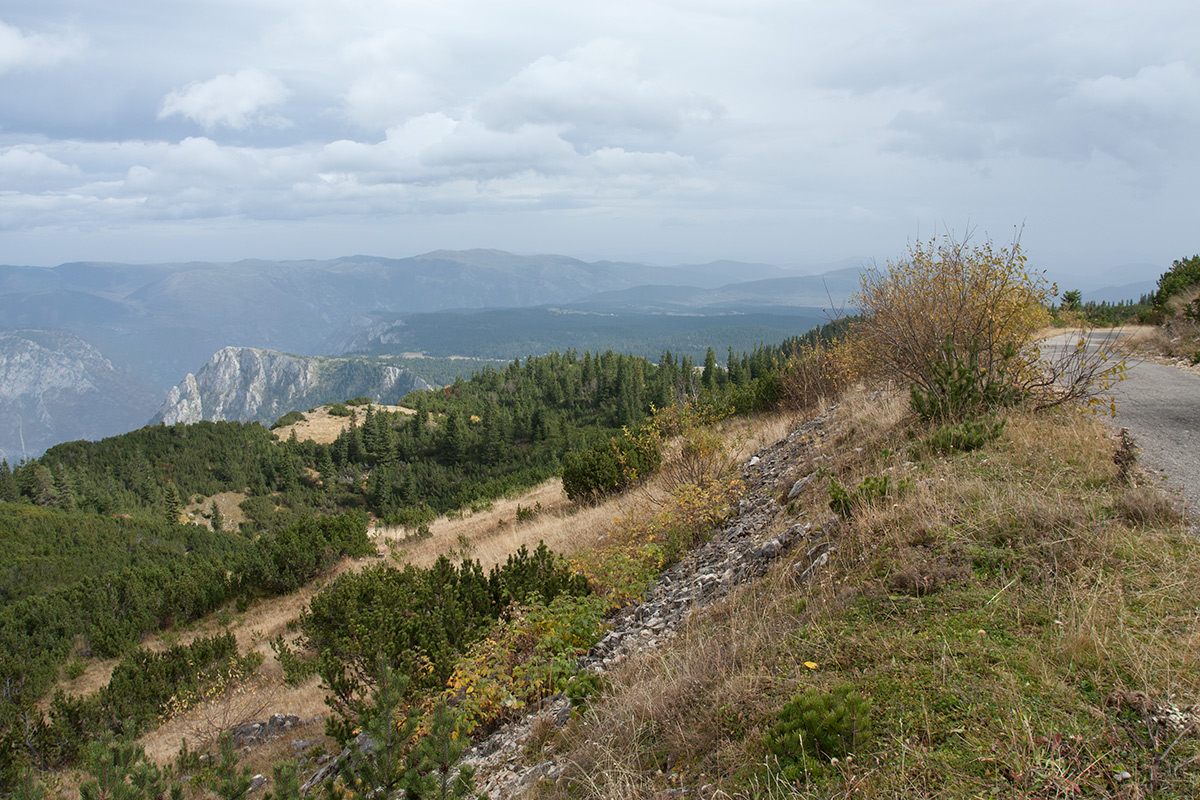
x: 8, y: 484
x: 709, y: 377
x: 215, y: 518
x: 172, y: 505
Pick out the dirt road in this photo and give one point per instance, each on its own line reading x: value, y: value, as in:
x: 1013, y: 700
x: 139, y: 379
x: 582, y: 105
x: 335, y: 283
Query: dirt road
x: 1160, y: 405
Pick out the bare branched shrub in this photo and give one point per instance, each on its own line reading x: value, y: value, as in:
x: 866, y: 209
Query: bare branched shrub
x: 1083, y: 372
x: 981, y: 299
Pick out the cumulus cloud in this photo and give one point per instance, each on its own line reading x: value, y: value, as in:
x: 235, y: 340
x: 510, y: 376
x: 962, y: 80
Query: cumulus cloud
x: 235, y: 101
x: 18, y: 49
x: 25, y: 164
x: 1167, y: 91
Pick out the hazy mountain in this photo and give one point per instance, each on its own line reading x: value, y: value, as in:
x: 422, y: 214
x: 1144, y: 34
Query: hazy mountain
x: 1115, y: 294
x: 245, y: 384
x: 505, y: 334
x: 153, y: 323
x: 55, y: 387
x: 827, y: 291
x: 157, y: 321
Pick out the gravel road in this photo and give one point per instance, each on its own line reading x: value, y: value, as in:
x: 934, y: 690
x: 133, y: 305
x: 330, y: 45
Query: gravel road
x: 1160, y: 405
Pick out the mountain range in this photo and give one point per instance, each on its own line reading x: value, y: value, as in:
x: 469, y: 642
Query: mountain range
x: 91, y: 348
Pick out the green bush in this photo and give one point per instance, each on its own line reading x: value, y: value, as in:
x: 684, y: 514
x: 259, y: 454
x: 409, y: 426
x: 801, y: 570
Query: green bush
x: 609, y: 467
x: 959, y: 386
x: 290, y: 418
x: 966, y: 436
x: 815, y: 726
x: 418, y: 621
x: 338, y: 410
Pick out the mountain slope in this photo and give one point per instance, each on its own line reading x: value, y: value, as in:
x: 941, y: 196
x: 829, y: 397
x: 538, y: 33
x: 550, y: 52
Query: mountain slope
x: 56, y: 387
x: 245, y: 384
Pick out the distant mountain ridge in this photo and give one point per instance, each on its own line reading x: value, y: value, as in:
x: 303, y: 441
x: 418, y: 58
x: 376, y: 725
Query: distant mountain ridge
x: 158, y: 321
x: 246, y: 384
x: 152, y: 323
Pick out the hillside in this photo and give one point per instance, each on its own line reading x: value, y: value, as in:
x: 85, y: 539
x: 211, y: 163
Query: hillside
x: 243, y: 384
x: 832, y: 568
x: 998, y: 595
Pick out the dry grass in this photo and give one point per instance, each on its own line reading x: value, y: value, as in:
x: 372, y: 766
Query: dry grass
x: 1175, y: 343
x: 228, y: 503
x: 489, y: 536
x: 322, y: 427
x: 1015, y: 676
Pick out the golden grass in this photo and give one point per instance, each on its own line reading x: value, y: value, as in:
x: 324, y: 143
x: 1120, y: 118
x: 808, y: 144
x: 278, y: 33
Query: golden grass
x: 489, y: 536
x: 228, y: 503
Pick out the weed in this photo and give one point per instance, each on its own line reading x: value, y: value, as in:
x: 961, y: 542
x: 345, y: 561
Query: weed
x: 1125, y: 457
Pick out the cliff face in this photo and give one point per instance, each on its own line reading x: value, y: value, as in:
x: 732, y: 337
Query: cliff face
x: 247, y: 384
x: 56, y: 387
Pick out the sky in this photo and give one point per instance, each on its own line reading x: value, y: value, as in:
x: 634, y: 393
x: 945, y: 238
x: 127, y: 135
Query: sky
x: 664, y: 131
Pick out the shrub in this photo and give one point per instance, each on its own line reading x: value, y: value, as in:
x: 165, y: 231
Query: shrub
x: 960, y: 387
x: 338, y: 410
x: 815, y: 370
x: 980, y: 300
x: 609, y: 466
x: 966, y: 436
x: 818, y: 725
x: 290, y: 418
x: 1184, y: 273
x: 957, y: 322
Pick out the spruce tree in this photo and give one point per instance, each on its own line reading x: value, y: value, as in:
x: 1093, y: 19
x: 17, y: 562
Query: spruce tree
x: 8, y: 484
x: 172, y: 505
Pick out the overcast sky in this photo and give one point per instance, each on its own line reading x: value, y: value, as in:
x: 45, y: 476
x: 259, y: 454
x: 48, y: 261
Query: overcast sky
x: 665, y: 131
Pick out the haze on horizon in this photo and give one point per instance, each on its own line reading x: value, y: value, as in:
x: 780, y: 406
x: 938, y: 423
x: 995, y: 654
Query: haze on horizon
x: 662, y: 131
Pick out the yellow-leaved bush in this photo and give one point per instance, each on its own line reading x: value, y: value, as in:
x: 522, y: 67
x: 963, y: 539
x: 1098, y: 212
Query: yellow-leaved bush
x: 956, y: 316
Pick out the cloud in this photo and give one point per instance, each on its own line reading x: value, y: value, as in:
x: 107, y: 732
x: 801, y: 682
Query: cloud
x: 18, y: 50
x: 24, y: 163
x: 235, y: 101
x: 383, y: 98
x: 595, y: 87
x: 1168, y: 91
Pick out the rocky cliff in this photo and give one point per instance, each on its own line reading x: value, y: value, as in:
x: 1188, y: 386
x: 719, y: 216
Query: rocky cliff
x: 248, y: 384
x: 56, y: 387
